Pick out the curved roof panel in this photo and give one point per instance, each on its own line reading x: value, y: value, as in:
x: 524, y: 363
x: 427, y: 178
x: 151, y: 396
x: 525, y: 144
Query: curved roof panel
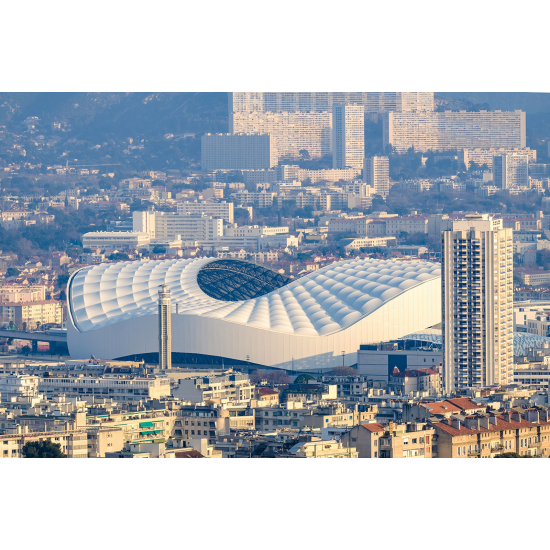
x: 320, y: 303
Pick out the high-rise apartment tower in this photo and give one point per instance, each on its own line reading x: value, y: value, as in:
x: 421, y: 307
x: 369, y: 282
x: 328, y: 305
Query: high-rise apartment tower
x: 511, y: 170
x: 165, y: 329
x: 477, y: 303
x: 376, y: 173
x: 348, y: 136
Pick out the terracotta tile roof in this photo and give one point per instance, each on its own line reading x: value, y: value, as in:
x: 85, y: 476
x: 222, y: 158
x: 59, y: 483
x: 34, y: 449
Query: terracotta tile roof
x: 266, y: 391
x: 464, y: 403
x: 189, y: 454
x: 440, y: 407
x: 499, y: 426
x: 374, y: 427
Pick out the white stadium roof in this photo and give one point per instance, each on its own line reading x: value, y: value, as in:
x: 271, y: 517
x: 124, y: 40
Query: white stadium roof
x: 334, y: 300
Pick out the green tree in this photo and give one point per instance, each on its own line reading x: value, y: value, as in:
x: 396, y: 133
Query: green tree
x: 42, y: 449
x: 303, y: 378
x: 12, y: 272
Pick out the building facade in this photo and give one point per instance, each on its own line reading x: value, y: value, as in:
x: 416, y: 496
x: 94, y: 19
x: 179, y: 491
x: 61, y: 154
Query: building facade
x: 477, y: 303
x: 348, y: 136
x: 376, y: 173
x: 431, y: 131
x: 511, y: 170
x: 237, y: 152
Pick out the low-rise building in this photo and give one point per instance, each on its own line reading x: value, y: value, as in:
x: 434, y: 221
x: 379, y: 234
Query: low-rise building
x: 323, y: 449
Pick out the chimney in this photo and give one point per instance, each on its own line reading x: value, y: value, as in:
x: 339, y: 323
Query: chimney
x: 455, y: 423
x: 493, y: 419
x: 484, y: 422
x: 516, y: 417
x: 532, y: 415
x: 543, y: 415
x: 507, y: 416
x: 472, y: 423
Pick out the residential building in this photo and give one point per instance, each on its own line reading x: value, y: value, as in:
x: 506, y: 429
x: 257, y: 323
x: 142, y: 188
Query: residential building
x: 290, y: 132
x: 10, y: 292
x: 482, y: 157
x: 237, y: 152
x: 263, y: 199
x: 488, y: 435
x: 534, y: 277
x: 372, y: 102
x: 122, y: 240
x: 323, y: 449
x: 407, y: 224
x: 348, y: 136
x: 376, y: 173
x: 121, y: 388
x: 511, y: 170
x: 477, y: 303
x: 32, y: 314
x: 221, y: 209
x: 409, y: 382
x: 199, y: 420
x: 366, y: 242
x: 74, y: 444
x: 425, y: 131
x: 375, y: 440
x: 227, y: 388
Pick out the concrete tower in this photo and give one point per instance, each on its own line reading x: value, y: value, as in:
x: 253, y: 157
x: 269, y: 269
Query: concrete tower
x: 477, y: 302
x: 165, y: 329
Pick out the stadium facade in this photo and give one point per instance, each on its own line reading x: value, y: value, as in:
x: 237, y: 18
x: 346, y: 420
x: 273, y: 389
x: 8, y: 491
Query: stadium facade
x: 235, y: 311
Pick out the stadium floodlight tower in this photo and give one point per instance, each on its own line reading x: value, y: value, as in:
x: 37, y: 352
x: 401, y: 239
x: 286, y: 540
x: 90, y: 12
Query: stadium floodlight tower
x: 165, y: 329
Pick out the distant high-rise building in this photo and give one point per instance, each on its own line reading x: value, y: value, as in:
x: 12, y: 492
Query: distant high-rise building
x: 221, y: 209
x: 291, y: 133
x: 376, y: 172
x: 306, y: 102
x: 511, y: 170
x: 165, y: 329
x: 237, y: 152
x: 477, y: 303
x: 348, y: 136
x: 425, y: 131
x: 486, y: 156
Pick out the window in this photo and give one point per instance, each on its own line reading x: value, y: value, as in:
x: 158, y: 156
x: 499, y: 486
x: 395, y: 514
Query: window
x: 414, y: 441
x: 375, y: 454
x: 376, y: 442
x: 406, y: 441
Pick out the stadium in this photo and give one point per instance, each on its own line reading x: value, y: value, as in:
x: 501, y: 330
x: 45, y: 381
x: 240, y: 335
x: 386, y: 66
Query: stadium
x: 235, y: 312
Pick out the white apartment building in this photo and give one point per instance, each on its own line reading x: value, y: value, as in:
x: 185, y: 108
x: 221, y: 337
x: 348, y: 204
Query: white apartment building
x: 231, y: 387
x: 237, y: 152
x: 291, y: 132
x: 115, y: 239
x: 262, y: 199
x: 477, y: 303
x: 119, y: 389
x: 348, y: 136
x: 221, y: 209
x: 486, y: 156
x: 254, y: 231
x: 369, y: 242
x: 408, y: 224
x: 376, y: 173
x: 511, y: 170
x: 372, y: 102
x: 317, y: 201
x: 144, y: 222
x: 431, y: 131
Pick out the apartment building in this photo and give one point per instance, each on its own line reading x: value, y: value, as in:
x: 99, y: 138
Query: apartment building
x: 118, y: 388
x: 534, y: 277
x: 237, y: 152
x: 232, y: 387
x: 263, y: 199
x: 372, y: 102
x: 323, y: 449
x: 115, y: 240
x: 486, y: 156
x: 255, y: 230
x: 477, y: 303
x: 274, y: 417
x: 375, y: 440
x: 32, y: 314
x: 318, y: 201
x: 11, y: 293
x: 431, y: 131
x: 368, y: 242
x: 290, y: 132
x: 511, y: 170
x: 407, y: 224
x: 202, y: 421
x: 416, y: 381
x: 376, y: 173
x: 485, y: 436
x: 220, y: 209
x: 348, y: 136
x: 74, y: 444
